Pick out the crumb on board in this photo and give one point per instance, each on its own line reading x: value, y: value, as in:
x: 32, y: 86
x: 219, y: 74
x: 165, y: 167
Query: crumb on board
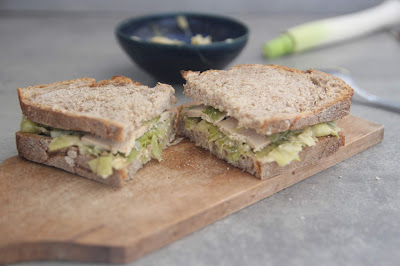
x: 377, y: 178
x: 340, y: 177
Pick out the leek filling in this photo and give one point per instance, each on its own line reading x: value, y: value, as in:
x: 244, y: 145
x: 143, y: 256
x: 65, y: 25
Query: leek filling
x: 283, y: 149
x: 213, y: 113
x: 147, y: 146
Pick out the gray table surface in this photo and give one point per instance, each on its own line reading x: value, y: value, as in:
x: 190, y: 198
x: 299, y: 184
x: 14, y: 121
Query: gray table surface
x: 324, y: 220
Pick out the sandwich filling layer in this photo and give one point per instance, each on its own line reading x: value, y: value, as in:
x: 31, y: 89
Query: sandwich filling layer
x: 148, y: 142
x: 222, y: 130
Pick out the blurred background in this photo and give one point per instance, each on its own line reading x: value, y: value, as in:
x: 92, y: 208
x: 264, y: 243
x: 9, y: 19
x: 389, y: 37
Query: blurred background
x: 79, y: 35
x: 264, y: 7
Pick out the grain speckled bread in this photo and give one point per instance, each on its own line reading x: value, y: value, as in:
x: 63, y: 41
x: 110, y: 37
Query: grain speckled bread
x: 113, y: 113
x: 271, y: 98
x: 325, y: 147
x: 109, y: 109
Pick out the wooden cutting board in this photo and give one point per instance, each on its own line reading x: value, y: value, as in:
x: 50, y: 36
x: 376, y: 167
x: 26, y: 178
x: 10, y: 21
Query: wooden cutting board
x: 49, y: 214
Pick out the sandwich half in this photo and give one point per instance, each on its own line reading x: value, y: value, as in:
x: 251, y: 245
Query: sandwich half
x: 103, y: 131
x: 265, y: 119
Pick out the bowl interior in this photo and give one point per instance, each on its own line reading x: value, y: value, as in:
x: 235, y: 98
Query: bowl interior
x: 219, y: 28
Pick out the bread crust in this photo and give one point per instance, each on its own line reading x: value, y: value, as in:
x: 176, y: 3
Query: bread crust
x: 79, y: 122
x: 116, y: 81
x: 308, y: 156
x: 332, y: 110
x: 34, y: 148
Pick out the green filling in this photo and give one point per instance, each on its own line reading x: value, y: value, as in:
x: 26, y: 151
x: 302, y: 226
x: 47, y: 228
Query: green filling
x: 325, y: 129
x: 214, y: 133
x: 154, y: 140
x: 64, y: 141
x: 283, y: 149
x: 191, y: 121
x: 156, y: 150
x: 282, y: 137
x: 134, y: 155
x: 234, y: 149
x: 203, y: 126
x: 29, y: 126
x: 288, y: 145
x: 148, y: 146
x: 213, y: 113
x: 284, y: 153
x: 102, y: 166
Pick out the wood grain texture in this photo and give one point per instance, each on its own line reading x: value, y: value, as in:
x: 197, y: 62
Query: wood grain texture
x: 49, y: 214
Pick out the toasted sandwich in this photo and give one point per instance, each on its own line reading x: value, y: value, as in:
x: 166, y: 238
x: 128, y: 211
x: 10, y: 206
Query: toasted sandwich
x: 265, y: 119
x: 103, y: 131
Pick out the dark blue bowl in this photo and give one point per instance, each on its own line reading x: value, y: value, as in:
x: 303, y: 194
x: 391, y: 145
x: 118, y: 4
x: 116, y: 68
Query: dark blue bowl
x: 165, y: 61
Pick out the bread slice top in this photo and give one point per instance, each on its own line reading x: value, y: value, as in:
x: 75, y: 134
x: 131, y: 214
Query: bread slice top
x: 271, y: 98
x: 110, y: 109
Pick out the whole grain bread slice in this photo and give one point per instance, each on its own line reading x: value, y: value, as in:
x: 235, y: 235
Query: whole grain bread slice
x: 34, y: 147
x: 325, y: 147
x: 109, y: 109
x: 271, y: 98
